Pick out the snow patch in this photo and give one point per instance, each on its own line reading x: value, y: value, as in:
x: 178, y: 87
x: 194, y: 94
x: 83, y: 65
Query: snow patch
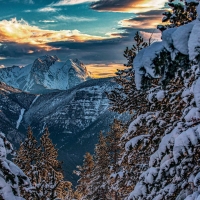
x: 34, y: 100
x: 20, y: 118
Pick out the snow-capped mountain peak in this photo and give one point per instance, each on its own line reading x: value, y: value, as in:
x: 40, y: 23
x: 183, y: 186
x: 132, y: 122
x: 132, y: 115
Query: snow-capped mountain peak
x: 43, y: 63
x: 46, y: 73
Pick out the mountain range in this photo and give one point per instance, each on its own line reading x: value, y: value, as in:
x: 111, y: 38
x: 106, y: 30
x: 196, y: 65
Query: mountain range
x: 45, y: 74
x: 74, y: 116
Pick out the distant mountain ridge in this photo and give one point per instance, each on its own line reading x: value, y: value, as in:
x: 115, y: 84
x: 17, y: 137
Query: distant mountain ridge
x: 45, y: 75
x: 74, y: 117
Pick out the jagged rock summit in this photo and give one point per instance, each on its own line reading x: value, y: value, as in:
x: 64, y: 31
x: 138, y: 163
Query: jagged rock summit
x: 45, y: 75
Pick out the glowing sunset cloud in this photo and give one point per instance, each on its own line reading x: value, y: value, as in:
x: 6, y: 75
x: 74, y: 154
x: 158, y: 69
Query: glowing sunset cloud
x: 23, y: 33
x: 148, y: 23
x: 71, y: 2
x: 135, y: 6
x: 104, y: 70
x: 145, y: 20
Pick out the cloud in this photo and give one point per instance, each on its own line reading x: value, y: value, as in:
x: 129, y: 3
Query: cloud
x: 2, y: 66
x: 71, y: 2
x: 104, y: 70
x: 27, y: 11
x: 23, y: 1
x: 99, y: 51
x: 47, y: 21
x: 145, y: 20
x: 14, y: 49
x: 135, y: 6
x: 48, y: 9
x: 20, y: 31
x: 74, y: 19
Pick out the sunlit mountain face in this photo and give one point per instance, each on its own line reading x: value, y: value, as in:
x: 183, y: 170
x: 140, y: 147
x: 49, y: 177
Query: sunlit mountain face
x: 94, y: 31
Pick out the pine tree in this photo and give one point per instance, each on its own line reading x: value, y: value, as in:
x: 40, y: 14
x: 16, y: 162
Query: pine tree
x: 51, y: 171
x: 121, y: 98
x: 114, y: 153
x: 161, y: 144
x: 172, y: 163
x: 27, y: 158
x: 42, y: 167
x: 138, y: 45
x: 85, y: 174
x: 182, y: 13
x: 98, y: 187
x: 28, y: 153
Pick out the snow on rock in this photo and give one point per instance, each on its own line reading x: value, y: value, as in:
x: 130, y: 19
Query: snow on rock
x: 20, y: 117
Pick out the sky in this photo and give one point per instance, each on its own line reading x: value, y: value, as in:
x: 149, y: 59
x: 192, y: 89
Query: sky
x: 94, y: 31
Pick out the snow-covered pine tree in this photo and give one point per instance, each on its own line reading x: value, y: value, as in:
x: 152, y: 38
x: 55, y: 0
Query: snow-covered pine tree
x: 173, y: 171
x: 27, y: 158
x: 28, y: 153
x: 98, y: 187
x: 152, y: 134
x: 43, y: 169
x: 177, y: 98
x: 122, y: 98
x: 182, y: 12
x: 116, y: 189
x: 51, y: 171
x: 12, y: 178
x: 85, y: 174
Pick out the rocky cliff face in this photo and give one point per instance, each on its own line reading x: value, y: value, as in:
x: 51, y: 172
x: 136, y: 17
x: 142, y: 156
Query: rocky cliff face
x: 74, y: 117
x: 45, y: 75
x: 12, y: 103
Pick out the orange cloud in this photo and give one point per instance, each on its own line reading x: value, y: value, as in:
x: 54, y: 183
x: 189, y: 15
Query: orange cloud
x: 103, y: 70
x: 71, y: 2
x: 146, y: 20
x: 147, y: 24
x: 21, y: 32
x: 135, y: 6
